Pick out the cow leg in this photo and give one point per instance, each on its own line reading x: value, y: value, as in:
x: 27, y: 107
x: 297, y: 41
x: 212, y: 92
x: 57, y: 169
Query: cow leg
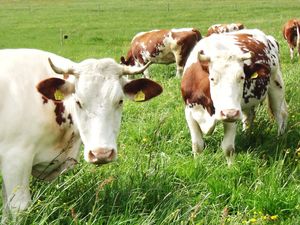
x: 291, y: 52
x: 248, y: 118
x: 196, y: 133
x: 16, y: 173
x: 228, y: 141
x: 179, y: 64
x: 277, y: 103
x: 5, y: 211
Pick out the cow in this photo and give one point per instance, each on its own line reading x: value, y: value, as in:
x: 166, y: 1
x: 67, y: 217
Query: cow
x: 163, y: 47
x: 224, y: 28
x: 291, y: 34
x: 225, y: 77
x: 49, y: 106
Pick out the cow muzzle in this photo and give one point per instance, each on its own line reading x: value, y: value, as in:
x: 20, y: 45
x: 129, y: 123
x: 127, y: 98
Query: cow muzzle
x: 102, y: 155
x: 230, y: 115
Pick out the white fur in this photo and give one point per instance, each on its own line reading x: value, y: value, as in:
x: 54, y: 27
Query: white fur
x: 30, y: 137
x: 226, y: 70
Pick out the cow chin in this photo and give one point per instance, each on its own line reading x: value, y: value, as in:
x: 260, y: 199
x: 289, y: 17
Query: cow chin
x: 101, y: 156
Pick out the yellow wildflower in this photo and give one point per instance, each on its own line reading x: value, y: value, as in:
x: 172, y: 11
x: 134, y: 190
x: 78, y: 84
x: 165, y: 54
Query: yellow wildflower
x: 275, y: 217
x: 252, y: 220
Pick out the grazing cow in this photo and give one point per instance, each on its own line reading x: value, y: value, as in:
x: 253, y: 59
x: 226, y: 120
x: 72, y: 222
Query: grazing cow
x: 224, y: 28
x: 225, y: 77
x: 45, y: 116
x: 162, y: 46
x: 291, y: 34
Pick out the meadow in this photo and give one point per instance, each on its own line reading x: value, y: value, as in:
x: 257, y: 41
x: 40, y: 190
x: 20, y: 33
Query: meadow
x: 156, y: 180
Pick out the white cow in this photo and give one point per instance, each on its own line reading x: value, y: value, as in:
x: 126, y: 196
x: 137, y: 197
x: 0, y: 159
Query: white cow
x: 225, y: 77
x: 44, y: 117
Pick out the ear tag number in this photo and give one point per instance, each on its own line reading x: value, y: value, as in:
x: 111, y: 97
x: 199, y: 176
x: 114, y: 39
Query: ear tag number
x: 139, y: 96
x: 58, y: 95
x: 253, y: 76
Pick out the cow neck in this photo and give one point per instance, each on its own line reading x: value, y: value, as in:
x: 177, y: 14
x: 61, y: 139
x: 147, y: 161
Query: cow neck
x: 65, y: 149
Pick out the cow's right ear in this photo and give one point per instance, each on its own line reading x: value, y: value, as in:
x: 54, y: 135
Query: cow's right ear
x: 141, y: 90
x: 55, y: 89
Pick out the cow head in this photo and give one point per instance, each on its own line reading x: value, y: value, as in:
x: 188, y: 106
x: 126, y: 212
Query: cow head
x: 226, y: 75
x: 95, y: 99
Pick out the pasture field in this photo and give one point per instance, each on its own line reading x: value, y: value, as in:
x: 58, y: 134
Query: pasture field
x: 156, y: 180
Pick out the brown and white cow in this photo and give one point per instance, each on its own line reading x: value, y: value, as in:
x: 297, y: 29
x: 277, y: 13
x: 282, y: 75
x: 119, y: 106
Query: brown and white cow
x: 44, y: 118
x: 224, y: 28
x: 225, y: 77
x: 163, y: 47
x: 291, y: 34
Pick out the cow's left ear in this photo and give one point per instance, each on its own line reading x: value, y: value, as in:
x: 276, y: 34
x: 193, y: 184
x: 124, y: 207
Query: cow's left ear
x: 55, y: 89
x: 141, y: 90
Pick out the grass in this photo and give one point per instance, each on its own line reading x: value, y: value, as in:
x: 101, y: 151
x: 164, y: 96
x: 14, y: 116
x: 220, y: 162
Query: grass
x: 156, y: 180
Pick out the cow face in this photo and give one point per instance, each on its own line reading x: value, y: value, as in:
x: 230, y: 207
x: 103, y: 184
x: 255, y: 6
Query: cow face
x: 95, y: 101
x: 226, y: 75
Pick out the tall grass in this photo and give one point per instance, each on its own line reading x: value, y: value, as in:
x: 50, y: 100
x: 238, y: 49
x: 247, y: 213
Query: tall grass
x: 156, y: 180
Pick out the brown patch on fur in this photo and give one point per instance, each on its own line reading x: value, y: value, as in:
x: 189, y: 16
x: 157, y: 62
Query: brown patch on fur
x: 79, y: 104
x: 289, y: 32
x: 186, y: 40
x: 247, y: 44
x: 195, y: 87
x: 59, y: 111
x: 224, y: 28
x: 70, y: 119
x: 153, y: 41
x: 278, y: 84
x: 45, y: 100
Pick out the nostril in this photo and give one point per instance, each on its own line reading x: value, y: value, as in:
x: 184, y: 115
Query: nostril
x: 237, y: 113
x: 102, y: 155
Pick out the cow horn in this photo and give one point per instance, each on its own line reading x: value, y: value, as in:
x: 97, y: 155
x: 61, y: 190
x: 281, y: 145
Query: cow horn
x: 246, y: 56
x: 203, y: 57
x: 132, y: 70
x: 60, y: 70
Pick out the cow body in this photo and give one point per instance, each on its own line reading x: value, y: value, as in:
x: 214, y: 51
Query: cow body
x: 224, y: 28
x: 291, y: 34
x: 44, y: 118
x: 163, y: 47
x: 225, y: 77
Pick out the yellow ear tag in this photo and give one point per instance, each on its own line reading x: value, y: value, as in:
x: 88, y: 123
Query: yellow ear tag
x: 58, y: 95
x: 253, y: 76
x: 139, y: 96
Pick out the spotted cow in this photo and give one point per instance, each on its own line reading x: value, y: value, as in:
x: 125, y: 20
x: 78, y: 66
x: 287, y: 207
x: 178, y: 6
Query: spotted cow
x: 291, y: 34
x: 225, y: 77
x: 163, y: 47
x: 224, y: 28
x: 47, y: 109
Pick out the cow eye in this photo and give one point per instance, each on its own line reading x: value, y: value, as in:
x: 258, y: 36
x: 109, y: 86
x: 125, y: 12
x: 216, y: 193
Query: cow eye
x: 212, y: 79
x: 242, y: 77
x: 121, y: 102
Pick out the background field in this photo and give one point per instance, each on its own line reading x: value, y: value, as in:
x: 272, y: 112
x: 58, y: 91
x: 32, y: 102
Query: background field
x: 156, y: 180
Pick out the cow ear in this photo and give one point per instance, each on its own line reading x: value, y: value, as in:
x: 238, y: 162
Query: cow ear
x: 55, y: 89
x: 141, y: 90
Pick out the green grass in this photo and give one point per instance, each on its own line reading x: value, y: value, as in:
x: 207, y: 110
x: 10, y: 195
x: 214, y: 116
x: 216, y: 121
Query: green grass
x: 156, y: 180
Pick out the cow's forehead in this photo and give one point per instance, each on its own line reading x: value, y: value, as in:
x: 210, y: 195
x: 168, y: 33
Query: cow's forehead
x: 106, y: 68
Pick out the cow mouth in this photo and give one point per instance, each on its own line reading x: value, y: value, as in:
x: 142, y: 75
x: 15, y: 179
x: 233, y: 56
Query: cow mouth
x: 229, y: 120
